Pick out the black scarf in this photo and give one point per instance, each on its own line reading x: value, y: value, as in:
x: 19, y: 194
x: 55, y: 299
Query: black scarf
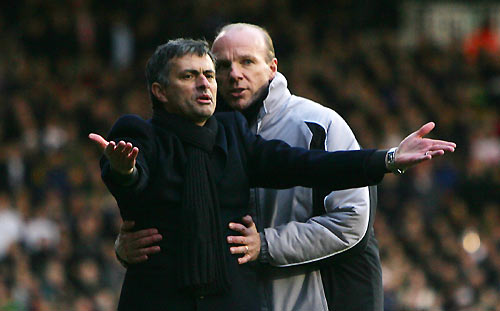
x: 202, y: 264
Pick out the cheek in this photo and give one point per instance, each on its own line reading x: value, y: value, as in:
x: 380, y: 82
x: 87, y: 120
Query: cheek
x: 259, y: 81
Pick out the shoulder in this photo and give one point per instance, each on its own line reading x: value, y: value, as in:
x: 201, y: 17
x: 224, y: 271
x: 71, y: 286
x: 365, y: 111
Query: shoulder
x: 130, y: 124
x: 131, y: 120
x: 311, y: 111
x: 339, y: 134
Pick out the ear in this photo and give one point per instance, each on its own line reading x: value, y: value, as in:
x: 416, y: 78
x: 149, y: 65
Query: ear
x: 159, y: 92
x: 273, y: 65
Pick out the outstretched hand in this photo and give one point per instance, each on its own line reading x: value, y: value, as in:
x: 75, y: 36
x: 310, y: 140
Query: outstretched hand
x: 121, y: 156
x: 249, y: 240
x: 415, y: 148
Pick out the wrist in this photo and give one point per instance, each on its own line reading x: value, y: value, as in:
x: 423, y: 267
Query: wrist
x: 390, y: 162
x: 123, y: 173
x: 125, y: 179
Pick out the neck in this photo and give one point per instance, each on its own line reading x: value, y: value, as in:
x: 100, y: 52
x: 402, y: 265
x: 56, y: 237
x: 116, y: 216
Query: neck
x: 252, y: 111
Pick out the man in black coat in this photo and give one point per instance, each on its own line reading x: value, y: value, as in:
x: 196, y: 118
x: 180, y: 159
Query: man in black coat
x: 187, y: 173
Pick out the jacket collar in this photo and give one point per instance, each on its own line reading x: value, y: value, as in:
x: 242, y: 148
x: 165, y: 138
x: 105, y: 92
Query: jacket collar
x: 278, y: 93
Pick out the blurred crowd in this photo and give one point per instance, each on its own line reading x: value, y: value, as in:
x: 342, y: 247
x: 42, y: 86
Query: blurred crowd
x: 70, y: 68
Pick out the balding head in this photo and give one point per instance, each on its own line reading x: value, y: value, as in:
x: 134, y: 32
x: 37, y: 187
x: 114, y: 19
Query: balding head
x: 245, y: 64
x: 249, y: 31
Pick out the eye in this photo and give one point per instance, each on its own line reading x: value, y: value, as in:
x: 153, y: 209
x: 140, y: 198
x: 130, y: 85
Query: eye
x: 187, y: 76
x: 247, y: 61
x: 210, y: 76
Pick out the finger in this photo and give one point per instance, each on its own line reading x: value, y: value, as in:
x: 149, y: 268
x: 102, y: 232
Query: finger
x: 127, y: 225
x: 144, y: 251
x: 101, y: 142
x: 425, y: 129
x: 143, y: 254
x: 442, y: 147
x: 416, y: 159
x: 244, y: 259
x: 435, y: 147
x: 142, y: 234
x: 248, y: 221
x: 436, y: 153
x: 146, y: 241
x: 120, y: 146
x: 110, y: 148
x: 133, y: 154
x: 441, y: 142
x: 117, y: 154
x: 237, y: 240
x: 238, y: 250
x: 128, y: 147
x: 237, y: 227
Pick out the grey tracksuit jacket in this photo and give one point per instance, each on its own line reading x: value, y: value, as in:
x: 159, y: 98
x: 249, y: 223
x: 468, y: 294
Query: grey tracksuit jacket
x: 296, y: 238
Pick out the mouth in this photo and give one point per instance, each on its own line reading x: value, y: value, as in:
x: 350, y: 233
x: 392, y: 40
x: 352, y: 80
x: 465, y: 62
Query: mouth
x: 204, y: 99
x: 237, y: 92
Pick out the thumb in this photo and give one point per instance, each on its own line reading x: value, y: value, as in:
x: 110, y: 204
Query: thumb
x: 101, y: 142
x: 425, y: 129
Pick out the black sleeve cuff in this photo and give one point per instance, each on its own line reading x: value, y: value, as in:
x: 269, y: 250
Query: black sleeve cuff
x: 376, y: 167
x: 124, y: 180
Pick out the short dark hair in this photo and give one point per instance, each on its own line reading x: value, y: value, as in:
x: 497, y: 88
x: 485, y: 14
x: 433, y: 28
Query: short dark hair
x: 158, y: 66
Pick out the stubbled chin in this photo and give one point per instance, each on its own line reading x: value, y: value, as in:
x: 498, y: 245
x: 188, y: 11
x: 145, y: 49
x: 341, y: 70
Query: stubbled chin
x: 240, y: 104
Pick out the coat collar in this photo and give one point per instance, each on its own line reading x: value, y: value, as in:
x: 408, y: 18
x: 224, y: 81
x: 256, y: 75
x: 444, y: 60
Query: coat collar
x: 278, y: 93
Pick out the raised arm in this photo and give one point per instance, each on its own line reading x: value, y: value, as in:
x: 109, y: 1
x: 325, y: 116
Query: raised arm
x: 125, y: 170
x: 128, y: 155
x: 274, y: 164
x: 345, y: 221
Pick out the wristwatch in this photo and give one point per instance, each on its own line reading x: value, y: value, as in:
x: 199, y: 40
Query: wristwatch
x: 390, y: 161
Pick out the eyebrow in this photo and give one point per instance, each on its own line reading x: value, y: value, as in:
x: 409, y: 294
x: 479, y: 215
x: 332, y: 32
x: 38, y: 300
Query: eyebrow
x: 194, y: 71
x: 247, y: 56
x: 242, y: 56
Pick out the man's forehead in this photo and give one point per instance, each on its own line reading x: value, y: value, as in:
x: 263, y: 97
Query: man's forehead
x: 241, y: 41
x: 192, y: 62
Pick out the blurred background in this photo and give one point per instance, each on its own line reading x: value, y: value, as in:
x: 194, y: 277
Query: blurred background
x: 71, y: 67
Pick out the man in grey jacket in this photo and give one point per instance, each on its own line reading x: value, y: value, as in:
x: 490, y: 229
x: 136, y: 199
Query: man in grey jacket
x: 318, y: 249
x: 300, y: 226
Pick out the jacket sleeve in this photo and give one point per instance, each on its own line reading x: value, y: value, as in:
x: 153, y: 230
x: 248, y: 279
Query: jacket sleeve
x: 340, y: 230
x: 274, y: 164
x: 135, y: 130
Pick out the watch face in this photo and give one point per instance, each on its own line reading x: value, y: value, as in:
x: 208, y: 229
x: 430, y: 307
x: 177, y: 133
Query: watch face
x: 390, y: 157
x: 391, y: 163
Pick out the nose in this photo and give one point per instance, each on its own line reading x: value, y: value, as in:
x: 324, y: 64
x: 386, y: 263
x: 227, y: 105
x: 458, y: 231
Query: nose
x: 202, y: 82
x: 235, y: 72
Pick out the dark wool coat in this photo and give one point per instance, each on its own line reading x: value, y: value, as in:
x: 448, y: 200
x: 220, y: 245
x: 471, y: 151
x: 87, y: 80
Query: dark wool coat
x: 241, y: 160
